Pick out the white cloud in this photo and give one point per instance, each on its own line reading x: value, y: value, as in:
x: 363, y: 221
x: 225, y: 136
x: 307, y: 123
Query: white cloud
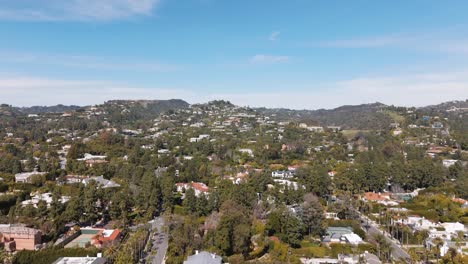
x: 27, y: 91
x: 405, y: 90
x: 368, y: 42
x: 87, y: 62
x: 402, y: 90
x: 268, y: 59
x: 274, y: 35
x: 77, y: 10
x: 445, y: 42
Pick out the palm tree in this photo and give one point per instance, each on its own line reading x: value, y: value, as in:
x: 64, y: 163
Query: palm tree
x: 383, y: 247
x: 438, y: 244
x: 452, y: 253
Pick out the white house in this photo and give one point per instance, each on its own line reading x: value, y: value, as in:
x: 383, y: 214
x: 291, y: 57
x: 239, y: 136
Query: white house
x: 448, y: 162
x: 282, y: 174
x: 420, y: 223
x: 247, y: 151
x: 315, y: 128
x: 352, y: 239
x: 88, y: 156
x: 453, y: 228
x: 199, y: 138
x: 198, y: 187
x: 101, y: 182
x: 288, y: 183
x: 47, y: 197
x: 25, y: 177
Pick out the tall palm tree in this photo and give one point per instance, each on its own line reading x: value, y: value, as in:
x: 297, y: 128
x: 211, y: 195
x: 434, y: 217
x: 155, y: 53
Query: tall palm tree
x: 438, y: 244
x: 383, y: 246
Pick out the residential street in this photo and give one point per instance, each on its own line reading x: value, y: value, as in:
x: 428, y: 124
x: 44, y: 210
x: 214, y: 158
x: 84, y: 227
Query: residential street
x: 372, y: 229
x: 160, y: 240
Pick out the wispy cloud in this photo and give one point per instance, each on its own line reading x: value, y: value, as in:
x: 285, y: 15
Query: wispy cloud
x: 369, y: 42
x: 445, y: 42
x: 268, y: 59
x: 402, y: 90
x: 274, y: 35
x: 87, y: 62
x: 27, y: 91
x: 76, y: 10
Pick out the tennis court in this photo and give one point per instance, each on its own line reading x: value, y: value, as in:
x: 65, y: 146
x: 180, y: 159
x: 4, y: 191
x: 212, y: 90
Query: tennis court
x: 83, y: 239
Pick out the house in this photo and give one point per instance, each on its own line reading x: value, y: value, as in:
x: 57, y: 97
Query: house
x: 397, y: 132
x: 366, y: 258
x: 81, y: 260
x: 70, y: 179
x: 334, y: 128
x: 199, y: 138
x: 92, y: 160
x: 88, y: 156
x: 335, y: 234
x: 293, y: 168
x: 432, y: 151
x: 453, y: 228
x: 449, y: 162
x: 198, y: 187
x: 25, y: 177
x: 352, y: 239
x: 23, y: 237
x: 437, y: 125
x: 46, y: 197
x: 163, y: 151
x: 444, y: 248
x: 463, y: 202
x: 381, y: 198
x: 394, y: 125
x: 330, y: 215
x: 247, y: 151
x: 290, y: 184
x: 282, y: 174
x: 203, y: 257
x: 311, y: 128
x: 106, y: 237
x: 238, y: 178
x: 419, y: 223
x: 97, y: 237
x: 101, y: 182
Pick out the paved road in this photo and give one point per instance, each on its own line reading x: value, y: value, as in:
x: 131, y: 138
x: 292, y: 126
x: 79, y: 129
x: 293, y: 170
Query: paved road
x: 160, y: 240
x: 397, y: 252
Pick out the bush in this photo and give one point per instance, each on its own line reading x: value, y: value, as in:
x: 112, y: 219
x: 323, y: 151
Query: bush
x: 311, y: 252
x: 340, y: 249
x: 49, y: 255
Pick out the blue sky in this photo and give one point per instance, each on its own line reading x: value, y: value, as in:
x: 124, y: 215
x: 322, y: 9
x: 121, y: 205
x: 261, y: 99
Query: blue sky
x: 295, y: 54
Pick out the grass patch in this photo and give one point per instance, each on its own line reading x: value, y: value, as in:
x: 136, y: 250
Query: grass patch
x: 395, y: 116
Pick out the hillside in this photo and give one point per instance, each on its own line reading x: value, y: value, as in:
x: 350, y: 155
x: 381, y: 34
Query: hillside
x: 49, y: 109
x: 451, y: 106
x: 132, y: 110
x: 365, y: 116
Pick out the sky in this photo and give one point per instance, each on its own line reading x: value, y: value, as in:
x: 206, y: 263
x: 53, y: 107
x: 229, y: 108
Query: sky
x: 298, y: 54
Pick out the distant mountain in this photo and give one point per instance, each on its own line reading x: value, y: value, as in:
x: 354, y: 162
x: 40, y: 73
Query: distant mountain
x: 8, y: 111
x: 364, y: 116
x: 48, y: 109
x: 451, y: 106
x: 141, y: 109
